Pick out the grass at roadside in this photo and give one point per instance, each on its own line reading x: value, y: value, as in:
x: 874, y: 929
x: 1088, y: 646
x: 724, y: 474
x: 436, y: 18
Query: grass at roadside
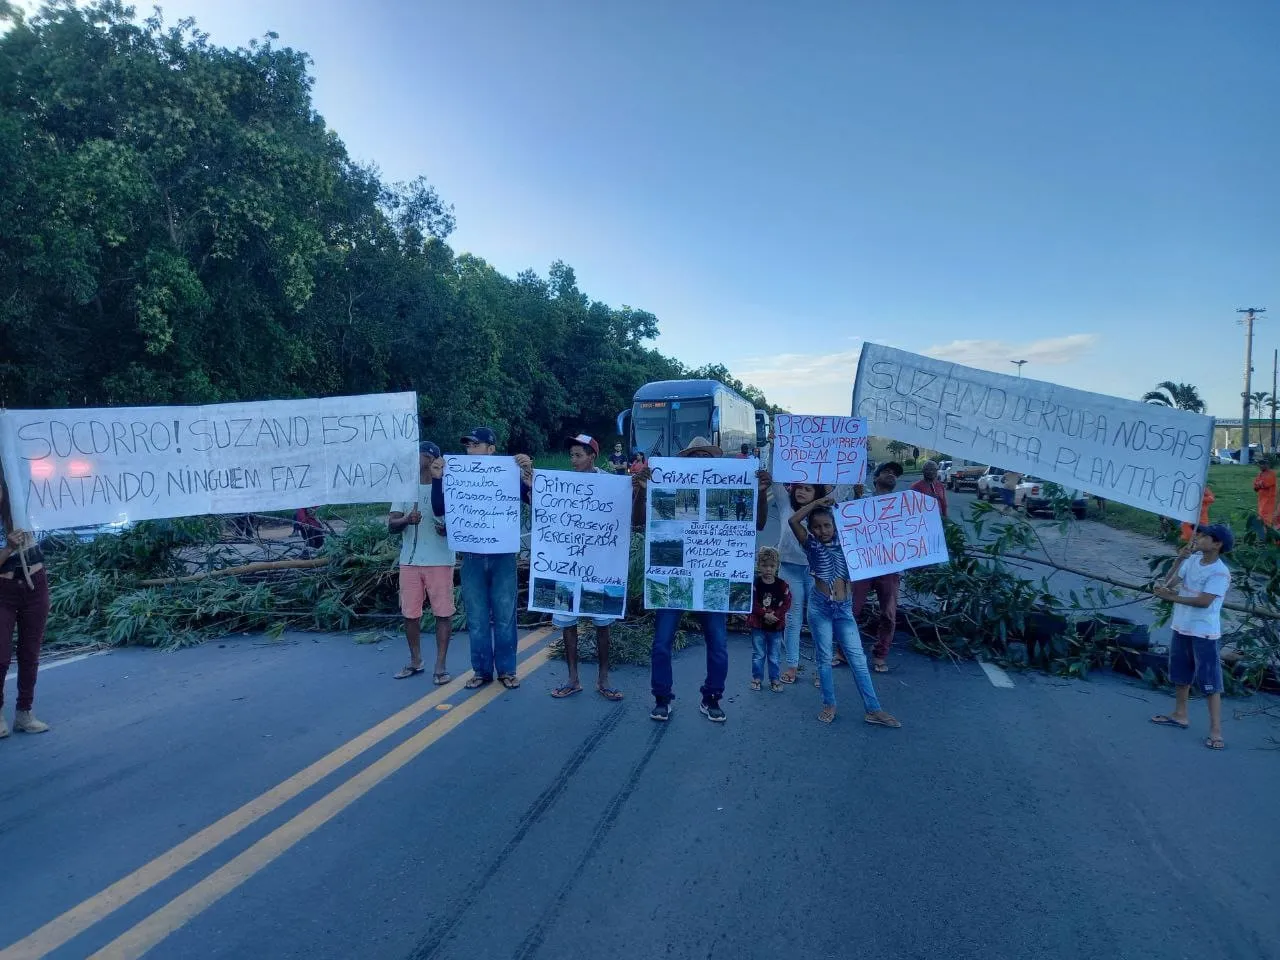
x: 1234, y: 501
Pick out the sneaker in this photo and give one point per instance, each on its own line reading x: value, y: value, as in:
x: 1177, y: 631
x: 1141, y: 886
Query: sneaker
x: 24, y: 722
x: 660, y: 712
x: 711, y: 710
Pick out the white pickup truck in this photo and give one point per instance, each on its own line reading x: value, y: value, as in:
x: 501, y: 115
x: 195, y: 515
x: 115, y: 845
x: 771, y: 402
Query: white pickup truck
x: 1036, y: 496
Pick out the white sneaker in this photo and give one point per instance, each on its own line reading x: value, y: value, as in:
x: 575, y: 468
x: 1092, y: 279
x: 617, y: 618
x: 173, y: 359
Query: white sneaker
x: 25, y: 722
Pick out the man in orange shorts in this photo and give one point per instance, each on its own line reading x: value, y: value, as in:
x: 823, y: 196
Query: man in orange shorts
x: 426, y: 565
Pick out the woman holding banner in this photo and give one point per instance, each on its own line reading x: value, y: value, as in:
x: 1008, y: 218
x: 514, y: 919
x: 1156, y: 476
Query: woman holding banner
x: 24, y: 604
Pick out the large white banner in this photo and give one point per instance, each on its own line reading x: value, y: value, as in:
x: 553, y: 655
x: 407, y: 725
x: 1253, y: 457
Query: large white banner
x: 579, y: 543
x: 70, y: 468
x: 1147, y: 456
x: 889, y: 533
x: 700, y: 534
x: 482, y: 504
x: 811, y: 449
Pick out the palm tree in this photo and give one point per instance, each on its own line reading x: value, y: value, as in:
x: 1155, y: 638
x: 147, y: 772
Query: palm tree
x: 897, y: 448
x: 1259, y: 400
x: 1181, y: 396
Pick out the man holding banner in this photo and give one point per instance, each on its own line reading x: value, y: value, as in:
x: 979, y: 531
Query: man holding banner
x: 887, y: 585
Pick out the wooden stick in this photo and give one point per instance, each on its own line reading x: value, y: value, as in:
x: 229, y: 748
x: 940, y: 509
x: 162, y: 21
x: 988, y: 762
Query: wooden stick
x: 259, y: 567
x: 1137, y: 587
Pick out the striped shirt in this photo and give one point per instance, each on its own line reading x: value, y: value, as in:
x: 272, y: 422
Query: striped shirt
x: 826, y: 560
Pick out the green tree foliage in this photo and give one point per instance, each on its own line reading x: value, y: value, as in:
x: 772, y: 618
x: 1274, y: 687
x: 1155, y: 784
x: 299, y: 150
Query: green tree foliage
x: 1183, y: 396
x: 178, y: 225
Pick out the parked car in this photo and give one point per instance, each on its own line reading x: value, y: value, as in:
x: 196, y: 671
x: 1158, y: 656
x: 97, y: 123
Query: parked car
x: 964, y: 478
x: 944, y: 470
x: 989, y: 483
x: 1036, y: 496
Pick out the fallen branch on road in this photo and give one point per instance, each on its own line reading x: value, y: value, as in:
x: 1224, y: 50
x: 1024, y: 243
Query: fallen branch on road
x: 261, y: 566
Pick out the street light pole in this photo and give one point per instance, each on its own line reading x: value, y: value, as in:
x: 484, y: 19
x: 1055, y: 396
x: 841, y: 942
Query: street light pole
x: 1250, y: 314
x: 1018, y: 364
x: 1275, y: 362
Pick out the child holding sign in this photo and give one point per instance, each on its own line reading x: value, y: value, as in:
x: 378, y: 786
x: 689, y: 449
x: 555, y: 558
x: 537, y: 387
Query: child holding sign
x: 831, y: 610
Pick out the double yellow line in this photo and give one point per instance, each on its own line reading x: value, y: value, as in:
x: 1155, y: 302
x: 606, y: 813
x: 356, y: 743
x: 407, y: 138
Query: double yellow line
x: 146, y: 934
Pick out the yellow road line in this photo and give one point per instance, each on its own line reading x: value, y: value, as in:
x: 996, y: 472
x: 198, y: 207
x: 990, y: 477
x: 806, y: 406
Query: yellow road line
x: 137, y: 940
x: 81, y: 917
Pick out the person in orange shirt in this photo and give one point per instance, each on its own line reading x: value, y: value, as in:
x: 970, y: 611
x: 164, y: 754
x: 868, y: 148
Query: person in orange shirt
x: 1187, y: 529
x: 1264, y: 485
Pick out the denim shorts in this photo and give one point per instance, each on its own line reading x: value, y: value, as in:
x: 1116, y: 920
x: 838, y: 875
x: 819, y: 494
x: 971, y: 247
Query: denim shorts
x: 1195, y: 661
x: 562, y: 620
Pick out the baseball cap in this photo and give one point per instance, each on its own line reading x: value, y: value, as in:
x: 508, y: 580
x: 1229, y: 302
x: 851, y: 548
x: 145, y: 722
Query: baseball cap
x: 891, y: 465
x: 481, y: 435
x: 428, y: 448
x: 582, y: 440
x: 1222, y: 533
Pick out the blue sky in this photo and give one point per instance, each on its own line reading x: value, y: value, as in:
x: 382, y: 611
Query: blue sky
x: 1090, y: 186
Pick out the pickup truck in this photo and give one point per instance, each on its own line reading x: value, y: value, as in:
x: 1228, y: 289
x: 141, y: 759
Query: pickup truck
x: 990, y: 483
x: 964, y: 478
x: 1036, y: 496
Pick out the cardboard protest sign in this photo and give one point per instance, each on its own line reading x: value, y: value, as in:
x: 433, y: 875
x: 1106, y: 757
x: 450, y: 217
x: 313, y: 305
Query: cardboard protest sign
x: 809, y: 449
x: 700, y: 534
x: 70, y: 468
x: 1147, y: 456
x: 482, y: 504
x: 889, y: 533
x: 580, y: 543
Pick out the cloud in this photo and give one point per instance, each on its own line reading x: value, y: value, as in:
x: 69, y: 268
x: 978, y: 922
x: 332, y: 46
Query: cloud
x: 996, y: 354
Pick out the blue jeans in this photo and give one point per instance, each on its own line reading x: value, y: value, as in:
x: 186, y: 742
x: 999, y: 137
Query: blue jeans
x: 828, y: 620
x: 714, y: 632
x: 765, y: 642
x: 800, y: 581
x: 489, y: 594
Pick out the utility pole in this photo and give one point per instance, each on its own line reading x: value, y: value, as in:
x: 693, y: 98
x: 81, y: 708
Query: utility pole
x: 1018, y: 364
x: 1275, y: 362
x: 1250, y: 314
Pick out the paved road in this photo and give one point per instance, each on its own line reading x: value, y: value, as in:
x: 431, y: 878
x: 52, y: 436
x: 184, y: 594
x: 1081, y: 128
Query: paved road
x: 1048, y: 820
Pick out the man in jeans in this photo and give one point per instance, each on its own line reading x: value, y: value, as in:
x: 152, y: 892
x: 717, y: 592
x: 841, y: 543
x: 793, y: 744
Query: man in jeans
x: 666, y: 622
x: 886, y: 585
x: 489, y: 587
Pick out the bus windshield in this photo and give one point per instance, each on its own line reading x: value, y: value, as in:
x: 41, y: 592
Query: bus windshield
x: 689, y: 421
x: 665, y: 427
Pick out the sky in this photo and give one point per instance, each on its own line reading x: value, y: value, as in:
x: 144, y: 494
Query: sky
x: 1088, y: 186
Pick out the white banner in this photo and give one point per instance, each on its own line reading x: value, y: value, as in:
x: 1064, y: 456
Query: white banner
x: 579, y: 543
x: 700, y: 534
x: 889, y: 533
x: 482, y: 504
x: 70, y: 468
x: 1147, y: 456
x: 830, y: 450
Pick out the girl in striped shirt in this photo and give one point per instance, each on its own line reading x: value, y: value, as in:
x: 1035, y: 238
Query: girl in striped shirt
x: 831, y: 610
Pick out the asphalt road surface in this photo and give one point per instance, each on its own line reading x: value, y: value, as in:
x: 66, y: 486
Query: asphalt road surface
x: 289, y: 799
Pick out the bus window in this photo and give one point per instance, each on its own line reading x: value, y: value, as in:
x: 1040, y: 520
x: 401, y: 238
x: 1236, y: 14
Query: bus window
x: 650, y: 424
x: 691, y: 419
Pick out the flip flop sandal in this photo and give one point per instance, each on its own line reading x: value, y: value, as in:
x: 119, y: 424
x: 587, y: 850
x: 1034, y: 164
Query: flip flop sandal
x: 755, y: 684
x: 885, y: 721
x: 409, y: 670
x: 880, y: 667
x: 475, y: 683
x: 609, y: 693
x: 510, y: 683
x: 440, y: 679
x: 1161, y: 720
x: 568, y: 690
x: 775, y: 686
x: 1215, y: 743
x: 787, y: 679
x: 827, y: 716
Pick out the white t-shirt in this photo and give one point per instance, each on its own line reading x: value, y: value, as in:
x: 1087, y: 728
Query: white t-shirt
x: 1198, y: 578
x: 422, y: 546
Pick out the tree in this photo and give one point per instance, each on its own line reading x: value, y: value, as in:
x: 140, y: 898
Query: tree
x: 897, y: 448
x: 1259, y: 401
x: 1181, y: 396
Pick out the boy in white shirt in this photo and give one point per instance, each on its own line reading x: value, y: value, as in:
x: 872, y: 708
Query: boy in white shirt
x: 1196, y: 587
x: 426, y: 565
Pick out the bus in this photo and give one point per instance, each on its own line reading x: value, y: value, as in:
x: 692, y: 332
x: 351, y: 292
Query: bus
x: 667, y: 415
x: 762, y: 428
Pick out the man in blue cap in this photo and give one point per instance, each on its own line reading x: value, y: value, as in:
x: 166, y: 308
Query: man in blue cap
x: 426, y: 565
x: 489, y: 587
x: 1196, y: 586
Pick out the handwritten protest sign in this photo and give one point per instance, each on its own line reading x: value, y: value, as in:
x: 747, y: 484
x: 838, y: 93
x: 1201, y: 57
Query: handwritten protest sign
x: 700, y: 534
x: 579, y: 543
x: 482, y: 504
x: 1147, y: 456
x: 829, y: 450
x: 890, y: 533
x: 71, y: 468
